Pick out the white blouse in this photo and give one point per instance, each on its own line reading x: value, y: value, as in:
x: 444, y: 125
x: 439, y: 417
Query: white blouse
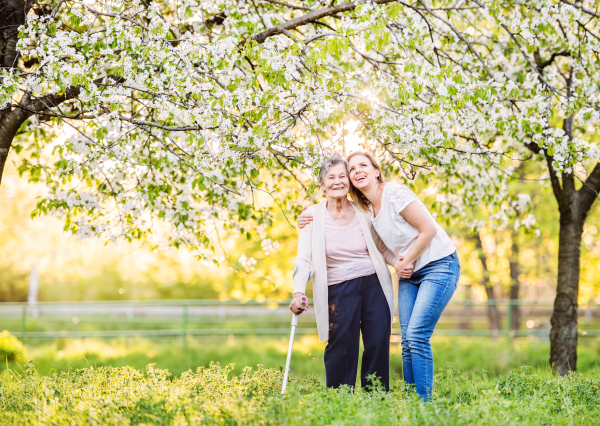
x: 398, y: 234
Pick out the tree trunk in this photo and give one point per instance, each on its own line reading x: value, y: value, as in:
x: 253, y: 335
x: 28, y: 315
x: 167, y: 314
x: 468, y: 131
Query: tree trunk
x: 464, y: 320
x: 574, y: 206
x: 12, y: 15
x: 563, y: 336
x: 515, y: 270
x: 493, y: 313
x: 9, y: 126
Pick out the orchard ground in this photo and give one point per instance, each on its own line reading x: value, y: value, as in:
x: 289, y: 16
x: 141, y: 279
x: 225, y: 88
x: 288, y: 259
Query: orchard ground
x: 123, y: 382
x: 216, y: 395
x: 471, y: 356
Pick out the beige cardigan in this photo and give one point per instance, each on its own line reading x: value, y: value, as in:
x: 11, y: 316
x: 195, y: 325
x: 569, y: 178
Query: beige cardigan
x: 311, y: 249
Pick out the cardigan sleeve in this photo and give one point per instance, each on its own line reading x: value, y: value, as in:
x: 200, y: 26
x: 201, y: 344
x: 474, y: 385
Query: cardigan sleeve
x: 389, y: 257
x: 303, y: 258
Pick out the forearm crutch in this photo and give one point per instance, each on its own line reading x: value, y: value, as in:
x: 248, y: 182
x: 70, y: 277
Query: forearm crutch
x: 303, y: 302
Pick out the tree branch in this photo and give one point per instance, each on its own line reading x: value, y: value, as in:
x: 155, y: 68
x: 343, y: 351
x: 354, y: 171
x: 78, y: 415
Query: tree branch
x: 590, y: 190
x: 558, y: 191
x: 11, y: 120
x: 459, y: 35
x: 531, y: 64
x: 291, y: 6
x: 144, y: 123
x: 533, y: 147
x: 568, y: 179
x: 541, y: 65
x: 583, y: 9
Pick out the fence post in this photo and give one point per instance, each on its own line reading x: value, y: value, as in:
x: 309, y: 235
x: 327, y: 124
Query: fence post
x: 509, y: 317
x: 32, y: 298
x: 24, y: 322
x: 185, y: 326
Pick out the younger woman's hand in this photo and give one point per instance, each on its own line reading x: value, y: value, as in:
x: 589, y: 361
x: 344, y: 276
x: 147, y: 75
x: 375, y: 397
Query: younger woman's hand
x: 403, y: 270
x: 304, y: 219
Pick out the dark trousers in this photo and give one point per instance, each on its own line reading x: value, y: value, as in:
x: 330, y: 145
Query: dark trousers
x: 358, y: 305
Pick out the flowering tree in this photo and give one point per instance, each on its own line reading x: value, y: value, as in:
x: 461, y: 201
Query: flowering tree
x: 186, y: 111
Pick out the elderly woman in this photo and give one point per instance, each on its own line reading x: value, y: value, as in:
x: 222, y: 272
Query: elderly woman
x: 410, y: 231
x: 352, y: 286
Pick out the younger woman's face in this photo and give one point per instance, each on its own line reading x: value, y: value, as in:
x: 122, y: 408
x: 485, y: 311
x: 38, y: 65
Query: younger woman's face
x: 362, y: 172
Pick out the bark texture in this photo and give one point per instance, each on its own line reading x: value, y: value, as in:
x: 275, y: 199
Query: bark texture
x: 563, y: 336
x: 12, y: 15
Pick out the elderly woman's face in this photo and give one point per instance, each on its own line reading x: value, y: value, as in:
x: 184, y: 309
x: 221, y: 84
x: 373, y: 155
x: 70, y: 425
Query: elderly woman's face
x: 336, y: 183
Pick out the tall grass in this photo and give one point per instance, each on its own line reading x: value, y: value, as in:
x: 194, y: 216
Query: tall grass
x: 213, y: 396
x: 467, y: 355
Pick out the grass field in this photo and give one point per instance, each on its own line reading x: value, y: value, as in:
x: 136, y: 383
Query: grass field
x: 213, y: 396
x: 122, y: 382
x: 467, y: 355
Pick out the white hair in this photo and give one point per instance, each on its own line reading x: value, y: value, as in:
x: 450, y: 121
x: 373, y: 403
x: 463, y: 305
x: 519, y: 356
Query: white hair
x: 334, y: 160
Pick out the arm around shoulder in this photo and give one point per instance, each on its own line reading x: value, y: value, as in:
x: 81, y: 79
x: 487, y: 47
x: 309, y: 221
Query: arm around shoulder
x: 303, y: 259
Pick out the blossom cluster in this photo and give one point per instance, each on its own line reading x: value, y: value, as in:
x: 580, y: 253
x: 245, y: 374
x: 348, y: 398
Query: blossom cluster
x: 186, y: 114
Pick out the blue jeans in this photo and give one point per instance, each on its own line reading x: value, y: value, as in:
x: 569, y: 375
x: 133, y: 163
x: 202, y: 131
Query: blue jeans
x: 421, y: 301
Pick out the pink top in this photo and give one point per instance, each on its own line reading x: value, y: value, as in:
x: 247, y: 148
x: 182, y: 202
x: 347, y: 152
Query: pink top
x: 346, y: 251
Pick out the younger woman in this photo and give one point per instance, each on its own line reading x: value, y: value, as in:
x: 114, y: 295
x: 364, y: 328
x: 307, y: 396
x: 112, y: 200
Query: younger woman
x: 410, y: 232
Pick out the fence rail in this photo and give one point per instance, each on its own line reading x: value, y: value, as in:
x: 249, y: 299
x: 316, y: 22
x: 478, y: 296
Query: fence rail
x: 171, y: 318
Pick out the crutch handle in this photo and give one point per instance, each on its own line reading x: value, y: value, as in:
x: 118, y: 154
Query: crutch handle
x: 295, y: 320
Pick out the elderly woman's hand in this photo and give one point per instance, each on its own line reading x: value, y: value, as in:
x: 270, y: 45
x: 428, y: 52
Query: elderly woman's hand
x: 299, y: 303
x: 403, y: 270
x: 304, y: 219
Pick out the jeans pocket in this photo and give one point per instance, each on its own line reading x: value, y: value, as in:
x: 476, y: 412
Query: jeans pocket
x: 440, y: 278
x: 444, y: 261
x: 441, y: 267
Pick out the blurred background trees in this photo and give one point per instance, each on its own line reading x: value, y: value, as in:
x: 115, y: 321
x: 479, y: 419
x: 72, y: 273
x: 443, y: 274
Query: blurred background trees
x: 495, y: 262
x: 201, y: 112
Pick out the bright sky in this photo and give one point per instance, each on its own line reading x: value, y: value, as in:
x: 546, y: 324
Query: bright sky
x: 352, y: 139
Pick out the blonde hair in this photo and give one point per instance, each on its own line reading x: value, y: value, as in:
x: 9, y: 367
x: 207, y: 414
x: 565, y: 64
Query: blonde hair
x: 359, y: 199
